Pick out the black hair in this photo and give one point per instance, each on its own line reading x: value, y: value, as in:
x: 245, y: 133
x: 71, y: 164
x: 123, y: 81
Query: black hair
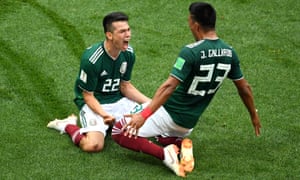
x: 204, y: 14
x: 113, y: 17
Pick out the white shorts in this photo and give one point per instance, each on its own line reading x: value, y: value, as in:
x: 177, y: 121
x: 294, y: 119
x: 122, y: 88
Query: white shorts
x: 160, y: 123
x: 90, y: 121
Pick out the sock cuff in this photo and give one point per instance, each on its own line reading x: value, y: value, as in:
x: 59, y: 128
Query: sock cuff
x: 75, y: 138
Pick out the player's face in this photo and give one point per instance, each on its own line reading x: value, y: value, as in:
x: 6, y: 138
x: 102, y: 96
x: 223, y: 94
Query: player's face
x: 121, y: 35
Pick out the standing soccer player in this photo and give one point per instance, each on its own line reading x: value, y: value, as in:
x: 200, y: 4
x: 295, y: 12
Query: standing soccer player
x: 178, y: 103
x: 103, y: 89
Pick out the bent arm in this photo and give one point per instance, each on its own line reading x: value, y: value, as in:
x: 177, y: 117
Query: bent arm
x: 132, y: 93
x: 93, y: 103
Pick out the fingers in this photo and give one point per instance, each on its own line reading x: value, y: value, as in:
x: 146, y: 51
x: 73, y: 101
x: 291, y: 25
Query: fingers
x: 131, y: 131
x: 257, y: 126
x: 256, y: 132
x: 257, y: 129
x: 133, y: 123
x: 124, y: 128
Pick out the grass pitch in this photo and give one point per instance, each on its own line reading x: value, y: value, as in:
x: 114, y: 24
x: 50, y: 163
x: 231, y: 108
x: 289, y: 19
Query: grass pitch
x: 41, y: 43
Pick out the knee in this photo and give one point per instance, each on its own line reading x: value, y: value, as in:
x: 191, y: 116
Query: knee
x: 93, y: 142
x: 92, y: 147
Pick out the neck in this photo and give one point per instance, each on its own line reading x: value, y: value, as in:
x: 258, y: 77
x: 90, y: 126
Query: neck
x: 210, y: 35
x: 111, y: 50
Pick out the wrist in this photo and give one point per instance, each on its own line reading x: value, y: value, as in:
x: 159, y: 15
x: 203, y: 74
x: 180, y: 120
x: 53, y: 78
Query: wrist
x: 104, y: 115
x: 146, y: 113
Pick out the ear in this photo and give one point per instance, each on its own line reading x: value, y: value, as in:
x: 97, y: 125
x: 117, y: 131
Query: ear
x: 198, y: 26
x: 108, y: 35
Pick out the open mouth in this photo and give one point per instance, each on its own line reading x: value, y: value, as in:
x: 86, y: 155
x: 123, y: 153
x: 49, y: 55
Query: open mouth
x: 125, y: 44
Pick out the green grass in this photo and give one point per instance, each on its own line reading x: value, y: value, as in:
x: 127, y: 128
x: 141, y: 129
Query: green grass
x: 41, y: 43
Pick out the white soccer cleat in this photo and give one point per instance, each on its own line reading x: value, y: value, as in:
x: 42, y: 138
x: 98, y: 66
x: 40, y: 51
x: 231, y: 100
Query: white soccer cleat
x: 171, y: 160
x: 186, y: 156
x: 60, y: 124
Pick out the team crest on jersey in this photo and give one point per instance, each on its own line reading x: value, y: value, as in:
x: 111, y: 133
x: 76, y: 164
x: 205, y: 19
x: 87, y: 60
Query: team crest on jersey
x: 123, y: 68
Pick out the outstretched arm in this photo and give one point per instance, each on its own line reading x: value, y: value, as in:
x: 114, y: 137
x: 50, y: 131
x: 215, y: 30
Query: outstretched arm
x: 163, y: 93
x: 246, y: 95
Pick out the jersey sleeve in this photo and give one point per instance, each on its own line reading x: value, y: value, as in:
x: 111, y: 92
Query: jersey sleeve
x: 183, y: 65
x: 87, y: 79
x: 235, y: 72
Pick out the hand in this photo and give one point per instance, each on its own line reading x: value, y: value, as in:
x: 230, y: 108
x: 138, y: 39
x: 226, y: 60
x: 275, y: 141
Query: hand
x: 256, y: 125
x: 109, y: 119
x: 133, y: 126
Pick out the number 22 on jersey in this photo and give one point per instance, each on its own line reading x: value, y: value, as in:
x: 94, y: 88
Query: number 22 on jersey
x: 111, y: 85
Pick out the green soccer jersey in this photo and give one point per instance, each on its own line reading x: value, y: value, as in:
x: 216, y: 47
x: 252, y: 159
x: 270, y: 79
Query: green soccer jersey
x: 102, y: 75
x: 201, y: 67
